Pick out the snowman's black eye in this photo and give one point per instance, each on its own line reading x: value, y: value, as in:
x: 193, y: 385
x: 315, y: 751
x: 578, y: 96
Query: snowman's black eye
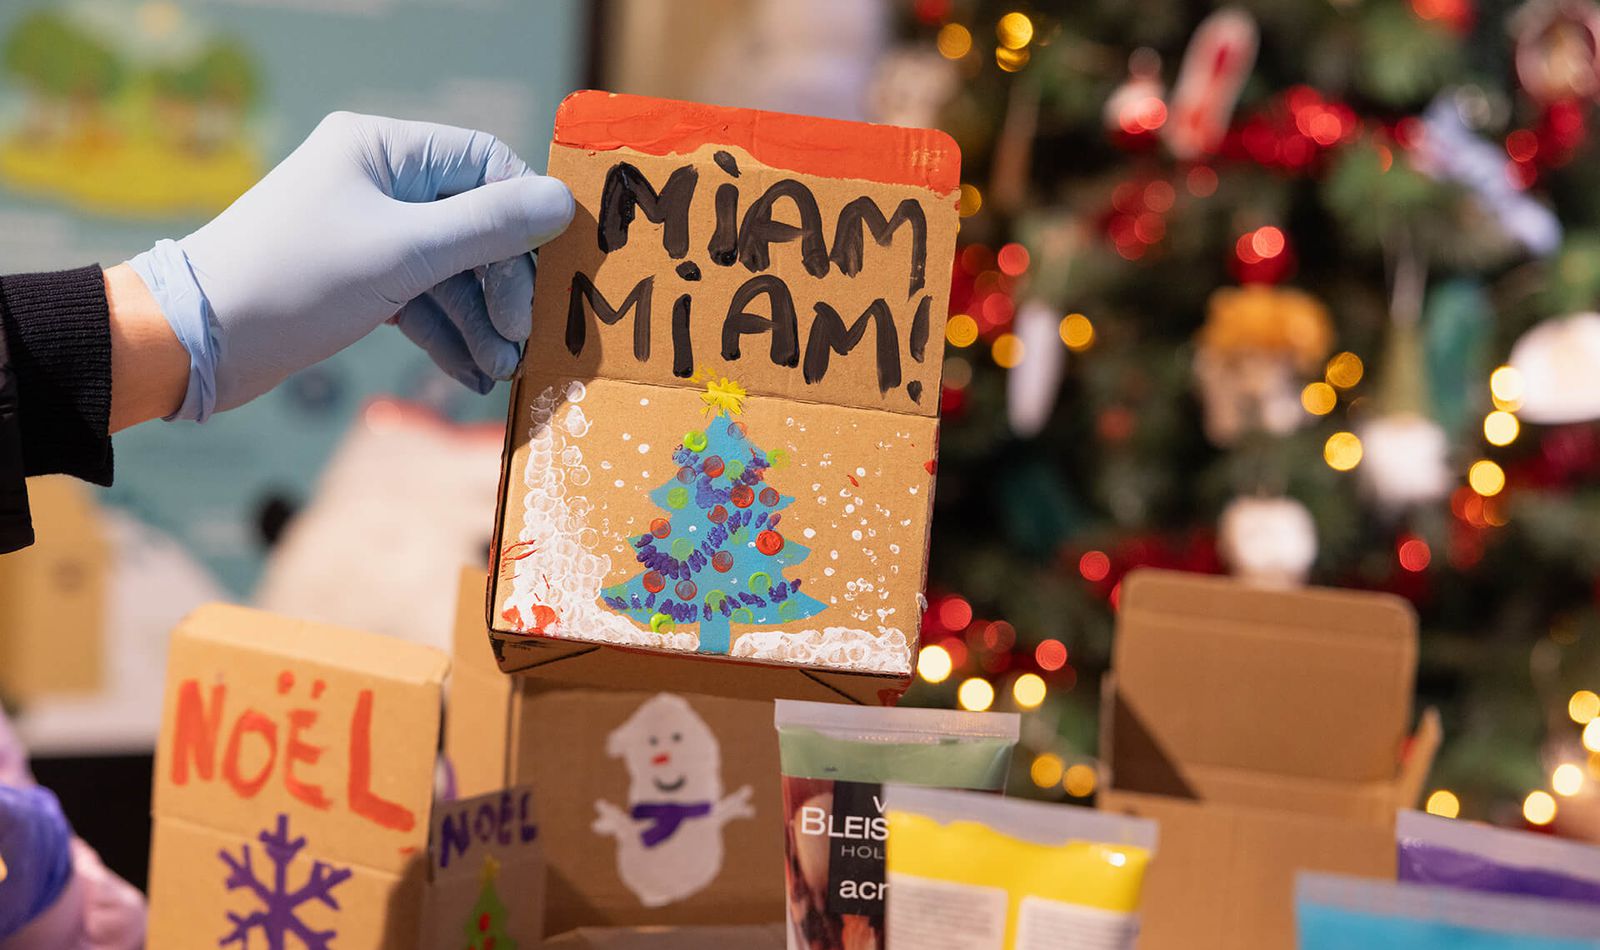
x: 677, y: 737
x: 654, y: 740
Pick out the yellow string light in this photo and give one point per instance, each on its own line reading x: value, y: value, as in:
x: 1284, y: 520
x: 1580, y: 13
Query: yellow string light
x: 1567, y: 779
x: 1591, y: 735
x: 970, y: 200
x: 961, y: 330
x: 1080, y: 780
x: 1344, y: 370
x: 975, y: 695
x: 1501, y: 427
x: 1008, y: 350
x: 1443, y: 803
x: 1046, y: 770
x: 934, y: 664
x: 1584, y: 706
x: 1342, y: 451
x: 1486, y: 478
x: 1010, y: 60
x: 1539, y: 808
x: 1319, y: 399
x: 955, y: 41
x: 1077, y: 332
x: 1507, y: 387
x: 1014, y: 30
x: 1029, y: 691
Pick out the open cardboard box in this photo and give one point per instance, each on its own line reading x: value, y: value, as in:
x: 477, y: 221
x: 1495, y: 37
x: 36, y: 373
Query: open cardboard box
x: 580, y: 747
x: 1267, y: 731
x: 678, y: 482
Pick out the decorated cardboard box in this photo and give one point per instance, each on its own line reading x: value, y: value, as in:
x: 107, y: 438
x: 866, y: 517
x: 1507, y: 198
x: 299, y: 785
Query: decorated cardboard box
x: 663, y: 808
x: 1267, y: 731
x: 723, y: 435
x: 485, y: 874
x: 294, y: 776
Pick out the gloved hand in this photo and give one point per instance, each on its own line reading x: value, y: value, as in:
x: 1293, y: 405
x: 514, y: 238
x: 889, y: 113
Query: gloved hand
x: 36, y: 846
x: 369, y: 219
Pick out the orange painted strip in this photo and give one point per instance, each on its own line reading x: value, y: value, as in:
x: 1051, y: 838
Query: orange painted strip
x: 828, y: 148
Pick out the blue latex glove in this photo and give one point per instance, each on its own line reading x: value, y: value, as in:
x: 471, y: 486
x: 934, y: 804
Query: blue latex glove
x: 369, y: 219
x: 36, y: 846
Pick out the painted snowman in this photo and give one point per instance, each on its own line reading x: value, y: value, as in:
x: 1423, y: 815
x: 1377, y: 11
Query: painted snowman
x: 669, y: 837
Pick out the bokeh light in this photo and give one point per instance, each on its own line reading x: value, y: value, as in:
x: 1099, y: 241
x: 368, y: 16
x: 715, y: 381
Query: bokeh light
x: 1539, y: 808
x: 1319, y: 398
x: 1051, y: 655
x: 975, y: 695
x: 1443, y: 803
x: 934, y: 664
x: 1047, y: 769
x: 955, y: 41
x: 1500, y: 427
x: 1508, y: 388
x: 1584, y: 706
x: 1012, y: 259
x: 1009, y: 59
x: 970, y: 200
x: 1344, y: 370
x: 1415, y: 555
x: 1014, y: 30
x: 961, y: 330
x: 1077, y: 332
x: 1591, y: 735
x: 1008, y: 350
x: 1486, y: 478
x: 1094, y: 566
x: 1567, y: 779
x: 1029, y: 691
x: 955, y: 613
x: 1342, y: 451
x: 1079, y: 780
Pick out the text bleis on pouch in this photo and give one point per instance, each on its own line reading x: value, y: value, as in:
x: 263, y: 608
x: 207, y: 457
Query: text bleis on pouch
x: 746, y: 240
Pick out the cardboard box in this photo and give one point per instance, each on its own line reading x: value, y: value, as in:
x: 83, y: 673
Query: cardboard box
x: 53, y: 596
x: 694, y: 838
x: 768, y: 937
x: 1267, y: 731
x: 722, y: 436
x: 294, y: 777
x: 485, y: 873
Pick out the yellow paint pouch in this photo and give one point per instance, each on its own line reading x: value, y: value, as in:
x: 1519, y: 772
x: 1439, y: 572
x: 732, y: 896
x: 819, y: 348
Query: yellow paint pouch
x: 969, y: 871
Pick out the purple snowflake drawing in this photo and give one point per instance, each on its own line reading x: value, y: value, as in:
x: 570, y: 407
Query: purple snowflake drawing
x: 276, y: 919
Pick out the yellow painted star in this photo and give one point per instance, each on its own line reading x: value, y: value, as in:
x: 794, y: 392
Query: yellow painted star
x: 723, y: 395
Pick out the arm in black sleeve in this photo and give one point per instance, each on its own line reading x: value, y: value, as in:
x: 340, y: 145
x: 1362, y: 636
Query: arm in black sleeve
x: 55, y: 386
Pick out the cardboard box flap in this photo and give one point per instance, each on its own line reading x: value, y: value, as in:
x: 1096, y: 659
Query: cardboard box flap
x: 242, y: 628
x: 1214, y: 674
x: 1418, y: 760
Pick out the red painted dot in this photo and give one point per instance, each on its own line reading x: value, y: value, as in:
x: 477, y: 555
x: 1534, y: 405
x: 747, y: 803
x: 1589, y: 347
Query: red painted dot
x: 1051, y: 655
x: 654, y: 582
x: 769, y: 497
x: 685, y: 589
x: 718, y: 514
x: 483, y: 921
x: 769, y: 542
x: 285, y: 681
x: 713, y: 465
x: 741, y: 496
x: 661, y: 527
x: 686, y: 474
x: 722, y: 561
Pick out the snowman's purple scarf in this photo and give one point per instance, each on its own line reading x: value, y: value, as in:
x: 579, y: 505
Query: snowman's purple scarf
x: 665, y: 817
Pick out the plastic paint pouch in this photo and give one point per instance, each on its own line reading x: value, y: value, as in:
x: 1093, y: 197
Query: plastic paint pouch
x: 835, y: 760
x: 975, y: 872
x: 1333, y: 912
x: 1478, y: 857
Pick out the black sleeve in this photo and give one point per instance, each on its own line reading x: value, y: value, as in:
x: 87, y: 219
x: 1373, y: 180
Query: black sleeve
x: 57, y: 329
x: 16, y: 525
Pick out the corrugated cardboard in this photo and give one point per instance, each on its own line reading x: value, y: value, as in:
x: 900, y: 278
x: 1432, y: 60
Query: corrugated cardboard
x: 485, y: 873
x: 294, y: 744
x: 586, y: 753
x: 53, y: 596
x: 769, y: 937
x: 841, y: 398
x: 1267, y: 731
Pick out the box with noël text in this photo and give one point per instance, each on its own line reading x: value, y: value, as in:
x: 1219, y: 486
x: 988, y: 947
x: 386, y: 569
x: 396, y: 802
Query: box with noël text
x: 722, y: 438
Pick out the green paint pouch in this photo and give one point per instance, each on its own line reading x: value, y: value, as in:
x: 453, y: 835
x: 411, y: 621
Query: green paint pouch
x: 835, y: 760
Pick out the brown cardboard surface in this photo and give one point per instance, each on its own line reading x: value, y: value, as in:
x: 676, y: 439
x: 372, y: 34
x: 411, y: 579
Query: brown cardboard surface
x: 1264, y: 729
x: 479, y: 698
x: 768, y: 937
x: 561, y: 742
x: 277, y: 732
x: 53, y: 596
x: 486, y: 873
x: 606, y: 411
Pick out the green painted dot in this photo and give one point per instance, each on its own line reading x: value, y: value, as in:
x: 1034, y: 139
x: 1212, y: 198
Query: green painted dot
x: 760, y: 582
x: 743, y: 615
x: 734, y: 469
x: 682, y: 548
x: 677, y: 497
x: 715, y: 598
x: 694, y: 441
x: 661, y: 623
x: 777, y: 458
x: 788, y: 610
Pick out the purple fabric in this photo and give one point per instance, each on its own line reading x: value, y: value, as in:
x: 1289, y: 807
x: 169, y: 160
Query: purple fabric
x: 665, y: 817
x: 1426, y: 863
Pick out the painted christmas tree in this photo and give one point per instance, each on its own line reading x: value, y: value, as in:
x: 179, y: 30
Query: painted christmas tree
x: 718, y: 558
x: 486, y: 927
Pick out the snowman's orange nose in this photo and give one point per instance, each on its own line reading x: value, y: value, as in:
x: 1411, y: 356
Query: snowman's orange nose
x: 661, y: 759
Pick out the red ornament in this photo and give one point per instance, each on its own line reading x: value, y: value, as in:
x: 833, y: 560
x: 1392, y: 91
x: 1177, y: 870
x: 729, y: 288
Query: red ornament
x: 722, y: 561
x: 654, y: 582
x: 713, y: 465
x: 661, y: 527
x: 741, y: 496
x: 483, y: 921
x: 769, y: 497
x: 718, y: 514
x: 685, y: 590
x: 769, y: 542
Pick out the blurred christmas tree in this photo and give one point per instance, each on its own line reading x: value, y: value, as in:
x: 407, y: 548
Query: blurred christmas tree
x: 1283, y: 289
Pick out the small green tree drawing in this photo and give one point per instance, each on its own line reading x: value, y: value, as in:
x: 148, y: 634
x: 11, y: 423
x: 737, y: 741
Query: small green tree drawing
x: 486, y: 925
